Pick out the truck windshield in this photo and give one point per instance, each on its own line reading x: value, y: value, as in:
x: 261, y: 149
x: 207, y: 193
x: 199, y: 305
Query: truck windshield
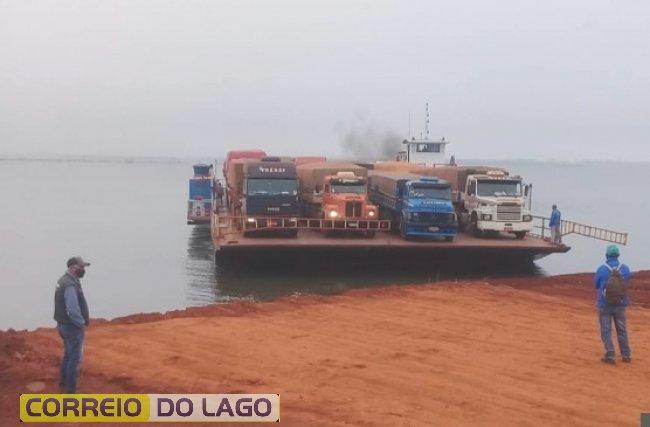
x: 272, y: 187
x: 422, y: 192
x: 499, y: 188
x: 348, y: 187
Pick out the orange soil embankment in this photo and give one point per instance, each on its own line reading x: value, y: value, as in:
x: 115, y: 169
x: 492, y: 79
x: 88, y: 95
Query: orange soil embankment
x: 493, y: 352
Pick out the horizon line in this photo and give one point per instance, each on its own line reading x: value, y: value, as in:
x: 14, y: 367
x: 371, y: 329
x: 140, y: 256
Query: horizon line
x: 153, y: 159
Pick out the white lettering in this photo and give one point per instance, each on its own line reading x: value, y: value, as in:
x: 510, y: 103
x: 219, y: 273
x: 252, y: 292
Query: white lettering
x: 272, y: 170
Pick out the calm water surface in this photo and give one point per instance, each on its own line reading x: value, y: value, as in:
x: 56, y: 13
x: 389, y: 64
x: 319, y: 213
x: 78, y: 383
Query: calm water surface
x: 128, y: 219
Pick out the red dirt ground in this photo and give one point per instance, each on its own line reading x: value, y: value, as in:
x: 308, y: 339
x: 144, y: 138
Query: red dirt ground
x: 494, y: 352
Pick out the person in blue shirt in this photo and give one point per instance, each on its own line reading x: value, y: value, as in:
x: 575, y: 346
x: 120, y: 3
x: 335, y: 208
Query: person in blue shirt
x: 554, y: 224
x: 607, y: 313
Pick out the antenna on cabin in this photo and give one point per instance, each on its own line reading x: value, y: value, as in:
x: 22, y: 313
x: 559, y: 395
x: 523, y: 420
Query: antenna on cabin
x: 426, y: 120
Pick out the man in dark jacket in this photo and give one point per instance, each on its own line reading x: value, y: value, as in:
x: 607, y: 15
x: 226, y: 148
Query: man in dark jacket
x: 71, y: 315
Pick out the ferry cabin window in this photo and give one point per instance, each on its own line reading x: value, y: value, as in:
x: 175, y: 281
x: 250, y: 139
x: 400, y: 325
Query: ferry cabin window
x: 499, y: 188
x: 286, y: 187
x: 427, y: 148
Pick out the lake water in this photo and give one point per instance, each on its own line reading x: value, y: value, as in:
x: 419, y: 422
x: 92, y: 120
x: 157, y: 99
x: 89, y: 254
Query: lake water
x: 128, y: 219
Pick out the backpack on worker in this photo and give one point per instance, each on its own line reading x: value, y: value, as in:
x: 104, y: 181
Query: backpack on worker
x: 615, y: 289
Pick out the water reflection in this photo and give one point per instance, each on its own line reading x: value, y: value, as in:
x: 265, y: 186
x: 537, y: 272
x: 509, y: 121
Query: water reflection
x: 269, y: 274
x: 199, y: 267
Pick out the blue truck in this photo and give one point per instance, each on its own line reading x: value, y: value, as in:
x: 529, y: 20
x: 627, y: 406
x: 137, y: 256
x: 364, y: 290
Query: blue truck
x: 199, y: 204
x: 270, y: 196
x: 418, y: 207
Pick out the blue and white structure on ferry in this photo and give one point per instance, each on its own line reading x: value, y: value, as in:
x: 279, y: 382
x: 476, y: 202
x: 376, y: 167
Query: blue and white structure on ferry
x: 199, y: 205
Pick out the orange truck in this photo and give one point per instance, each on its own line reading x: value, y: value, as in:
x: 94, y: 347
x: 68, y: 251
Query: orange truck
x: 336, y: 191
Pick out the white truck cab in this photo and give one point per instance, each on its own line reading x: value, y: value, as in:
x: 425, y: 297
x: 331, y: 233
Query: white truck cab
x: 496, y: 202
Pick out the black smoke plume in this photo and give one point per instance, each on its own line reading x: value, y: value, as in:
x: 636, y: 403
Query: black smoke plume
x: 365, y: 142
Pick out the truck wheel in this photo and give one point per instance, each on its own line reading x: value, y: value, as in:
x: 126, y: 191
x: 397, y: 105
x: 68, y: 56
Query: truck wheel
x: 473, y: 225
x: 477, y: 232
x: 402, y: 232
x: 463, y: 221
x: 520, y: 234
x: 292, y: 233
x: 449, y: 238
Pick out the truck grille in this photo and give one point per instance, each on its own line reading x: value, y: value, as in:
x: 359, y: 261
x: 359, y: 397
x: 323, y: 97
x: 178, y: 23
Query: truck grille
x: 437, y: 218
x: 353, y: 210
x: 508, y: 213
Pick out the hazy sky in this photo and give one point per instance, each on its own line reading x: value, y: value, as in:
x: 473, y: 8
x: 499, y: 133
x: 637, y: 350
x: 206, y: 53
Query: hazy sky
x: 506, y: 79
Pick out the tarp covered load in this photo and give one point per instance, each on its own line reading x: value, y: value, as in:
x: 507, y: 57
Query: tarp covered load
x: 303, y: 160
x: 388, y: 182
x: 404, y: 167
x: 240, y: 154
x: 457, y: 175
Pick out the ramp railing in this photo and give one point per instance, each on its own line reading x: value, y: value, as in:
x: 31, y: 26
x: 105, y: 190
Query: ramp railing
x: 542, y: 230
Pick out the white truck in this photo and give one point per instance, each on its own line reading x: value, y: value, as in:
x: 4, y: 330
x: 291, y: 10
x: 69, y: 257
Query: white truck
x: 488, y: 200
x: 494, y: 201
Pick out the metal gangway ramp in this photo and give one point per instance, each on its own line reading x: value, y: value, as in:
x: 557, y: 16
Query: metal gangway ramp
x: 542, y: 230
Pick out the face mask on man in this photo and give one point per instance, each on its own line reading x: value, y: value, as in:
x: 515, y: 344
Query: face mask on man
x: 80, y: 272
